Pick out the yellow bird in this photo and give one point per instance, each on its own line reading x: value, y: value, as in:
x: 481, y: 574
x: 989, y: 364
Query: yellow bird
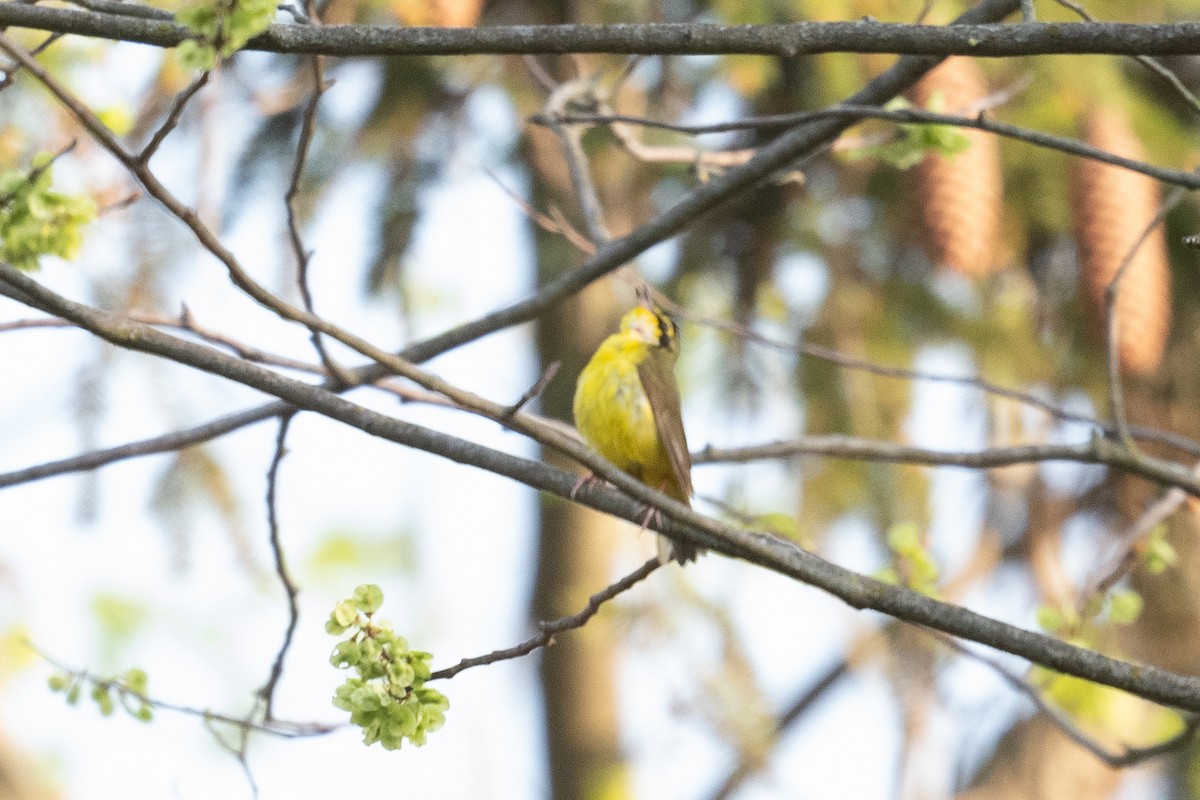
x: 627, y: 408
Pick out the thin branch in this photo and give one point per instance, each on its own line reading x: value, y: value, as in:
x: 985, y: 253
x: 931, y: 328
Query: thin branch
x: 10, y: 71
x: 283, y: 729
x: 224, y: 425
x: 1097, y: 450
x: 302, y: 255
x: 184, y: 322
x: 267, y: 692
x: 1127, y: 757
x: 548, y: 630
x: 551, y: 223
x: 629, y: 501
x: 1149, y: 63
x: 808, y: 698
x: 786, y: 40
x: 124, y: 9
x: 1116, y: 395
x: 578, y: 94
x: 172, y: 118
x: 911, y: 116
x: 1127, y: 543
x: 536, y: 390
x: 539, y: 73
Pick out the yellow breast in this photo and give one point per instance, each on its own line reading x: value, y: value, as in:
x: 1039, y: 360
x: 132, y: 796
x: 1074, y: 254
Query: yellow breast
x: 613, y: 412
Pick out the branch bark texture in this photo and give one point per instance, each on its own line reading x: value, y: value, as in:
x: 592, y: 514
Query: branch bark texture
x: 800, y: 38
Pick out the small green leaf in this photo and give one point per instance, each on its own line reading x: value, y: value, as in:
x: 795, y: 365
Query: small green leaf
x: 1124, y: 606
x: 1158, y: 554
x: 345, y: 614
x: 137, y: 680
x: 193, y: 54
x: 59, y: 681
x: 345, y: 654
x: 368, y: 598
x: 100, y: 694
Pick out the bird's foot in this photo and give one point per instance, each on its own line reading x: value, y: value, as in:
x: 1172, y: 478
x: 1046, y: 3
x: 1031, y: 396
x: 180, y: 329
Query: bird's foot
x: 586, y: 479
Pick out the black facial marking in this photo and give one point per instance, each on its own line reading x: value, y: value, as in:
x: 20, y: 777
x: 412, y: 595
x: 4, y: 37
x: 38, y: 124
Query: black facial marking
x: 666, y: 330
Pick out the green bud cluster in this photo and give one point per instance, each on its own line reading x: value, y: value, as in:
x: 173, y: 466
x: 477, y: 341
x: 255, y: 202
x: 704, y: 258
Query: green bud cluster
x: 129, y: 690
x: 388, y: 698
x: 36, y: 221
x: 222, y: 27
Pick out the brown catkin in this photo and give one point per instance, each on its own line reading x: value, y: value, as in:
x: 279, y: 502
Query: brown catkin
x: 960, y: 197
x: 1112, y: 207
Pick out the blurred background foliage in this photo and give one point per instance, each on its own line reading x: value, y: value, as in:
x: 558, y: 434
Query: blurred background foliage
x: 982, y: 264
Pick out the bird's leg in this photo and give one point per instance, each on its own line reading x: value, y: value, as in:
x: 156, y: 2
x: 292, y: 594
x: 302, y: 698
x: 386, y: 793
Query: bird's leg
x: 652, y: 514
x: 586, y: 479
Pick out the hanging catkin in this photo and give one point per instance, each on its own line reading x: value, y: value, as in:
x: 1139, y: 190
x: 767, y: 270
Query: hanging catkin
x: 1111, y: 209
x: 960, y: 197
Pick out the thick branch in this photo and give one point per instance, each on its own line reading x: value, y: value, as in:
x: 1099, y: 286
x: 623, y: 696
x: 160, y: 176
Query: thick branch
x: 647, y: 39
x: 677, y: 521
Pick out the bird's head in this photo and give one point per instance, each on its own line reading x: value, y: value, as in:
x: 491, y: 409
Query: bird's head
x: 652, y: 327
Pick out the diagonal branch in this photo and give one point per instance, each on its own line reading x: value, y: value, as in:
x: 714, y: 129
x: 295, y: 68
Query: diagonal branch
x: 677, y: 521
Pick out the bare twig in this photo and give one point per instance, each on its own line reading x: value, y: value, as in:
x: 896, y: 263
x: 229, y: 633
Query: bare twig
x: 1097, y: 450
x: 302, y: 255
x: 539, y: 73
x: 909, y: 116
x: 1127, y: 757
x: 548, y: 630
x: 125, y: 9
x: 536, y: 390
x: 1146, y: 61
x: 834, y: 356
x: 172, y: 118
x: 796, y: 709
x: 1116, y: 394
x: 576, y: 95
x: 10, y: 71
x: 1127, y: 543
x: 267, y: 692
x: 281, y: 728
x: 837, y: 447
x: 188, y: 216
x: 551, y: 223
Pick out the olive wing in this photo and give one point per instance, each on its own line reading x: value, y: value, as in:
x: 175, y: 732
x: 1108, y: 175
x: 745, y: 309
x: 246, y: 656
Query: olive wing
x: 658, y: 380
